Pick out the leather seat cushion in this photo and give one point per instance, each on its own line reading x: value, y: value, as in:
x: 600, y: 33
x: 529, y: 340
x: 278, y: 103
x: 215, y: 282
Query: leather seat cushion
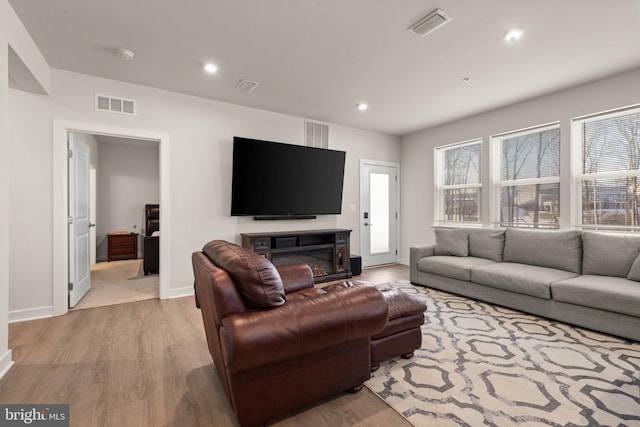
x: 401, y: 304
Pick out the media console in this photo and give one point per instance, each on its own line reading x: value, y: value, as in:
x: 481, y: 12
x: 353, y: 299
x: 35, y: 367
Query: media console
x: 325, y: 251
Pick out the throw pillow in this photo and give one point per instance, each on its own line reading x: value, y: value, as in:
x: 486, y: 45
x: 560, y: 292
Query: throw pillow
x: 451, y: 242
x: 609, y: 254
x: 255, y: 276
x: 486, y: 243
x: 634, y: 273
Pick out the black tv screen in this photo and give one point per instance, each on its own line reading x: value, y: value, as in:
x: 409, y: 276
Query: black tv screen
x: 285, y: 180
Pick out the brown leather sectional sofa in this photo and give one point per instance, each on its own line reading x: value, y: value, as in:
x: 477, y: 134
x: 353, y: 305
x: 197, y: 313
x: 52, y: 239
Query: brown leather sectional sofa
x: 278, y: 343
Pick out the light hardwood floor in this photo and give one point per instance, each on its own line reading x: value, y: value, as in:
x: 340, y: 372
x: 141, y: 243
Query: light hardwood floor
x: 147, y: 364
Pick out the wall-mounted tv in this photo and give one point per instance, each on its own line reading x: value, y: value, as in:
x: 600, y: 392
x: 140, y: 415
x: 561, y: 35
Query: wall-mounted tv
x: 275, y: 180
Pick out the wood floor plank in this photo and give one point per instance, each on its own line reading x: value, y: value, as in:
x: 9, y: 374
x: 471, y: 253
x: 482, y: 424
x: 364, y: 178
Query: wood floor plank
x: 147, y: 364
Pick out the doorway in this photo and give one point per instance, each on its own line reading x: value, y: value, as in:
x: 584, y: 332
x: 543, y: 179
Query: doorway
x: 61, y: 129
x: 127, y: 179
x: 379, y: 212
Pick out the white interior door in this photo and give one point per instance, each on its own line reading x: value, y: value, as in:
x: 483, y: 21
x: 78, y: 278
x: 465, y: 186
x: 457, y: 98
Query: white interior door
x: 79, y: 221
x: 378, y: 213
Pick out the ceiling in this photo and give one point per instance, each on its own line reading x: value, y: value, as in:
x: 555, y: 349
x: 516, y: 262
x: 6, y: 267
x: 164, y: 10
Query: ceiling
x: 318, y: 59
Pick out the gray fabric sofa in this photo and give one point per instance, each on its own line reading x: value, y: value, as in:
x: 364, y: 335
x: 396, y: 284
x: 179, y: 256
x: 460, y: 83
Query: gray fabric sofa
x: 588, y: 279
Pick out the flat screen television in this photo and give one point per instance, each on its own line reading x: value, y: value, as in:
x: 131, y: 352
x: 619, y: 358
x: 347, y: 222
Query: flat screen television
x: 280, y: 181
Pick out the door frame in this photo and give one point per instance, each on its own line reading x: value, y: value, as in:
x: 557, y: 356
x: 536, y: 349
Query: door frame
x: 60, y: 276
x: 365, y: 162
x: 93, y: 204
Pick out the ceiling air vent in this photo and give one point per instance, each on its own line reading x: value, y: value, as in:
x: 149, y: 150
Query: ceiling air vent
x: 115, y: 105
x: 316, y: 135
x: 247, y: 86
x: 429, y: 23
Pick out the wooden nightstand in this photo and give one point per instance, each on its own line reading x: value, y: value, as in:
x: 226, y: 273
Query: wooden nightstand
x: 122, y: 246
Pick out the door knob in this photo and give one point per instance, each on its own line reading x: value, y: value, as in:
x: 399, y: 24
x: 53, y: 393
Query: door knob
x: 91, y: 225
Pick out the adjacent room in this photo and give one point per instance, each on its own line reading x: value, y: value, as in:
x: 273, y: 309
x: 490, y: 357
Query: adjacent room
x: 320, y: 213
x: 124, y: 188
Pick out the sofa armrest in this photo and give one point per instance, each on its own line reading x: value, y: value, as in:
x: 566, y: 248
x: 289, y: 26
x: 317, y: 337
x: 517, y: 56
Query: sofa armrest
x: 416, y: 253
x: 301, y: 326
x: 295, y: 277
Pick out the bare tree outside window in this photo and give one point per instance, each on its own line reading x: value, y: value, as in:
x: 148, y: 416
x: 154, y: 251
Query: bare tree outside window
x: 460, y: 187
x: 610, y: 170
x: 530, y: 178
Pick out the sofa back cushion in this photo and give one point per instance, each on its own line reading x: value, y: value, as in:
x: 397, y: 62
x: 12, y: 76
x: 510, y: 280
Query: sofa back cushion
x: 609, y: 254
x: 453, y: 242
x: 258, y: 280
x: 553, y: 249
x: 486, y: 243
x: 634, y: 273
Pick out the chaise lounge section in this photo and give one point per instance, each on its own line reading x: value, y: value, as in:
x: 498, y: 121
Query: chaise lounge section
x: 588, y: 279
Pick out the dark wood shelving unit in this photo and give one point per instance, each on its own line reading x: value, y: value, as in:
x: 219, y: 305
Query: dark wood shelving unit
x: 327, y: 252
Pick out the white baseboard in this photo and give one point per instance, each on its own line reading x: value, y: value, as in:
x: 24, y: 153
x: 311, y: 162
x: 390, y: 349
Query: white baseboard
x: 403, y: 261
x: 5, y: 363
x: 30, y: 314
x: 180, y: 292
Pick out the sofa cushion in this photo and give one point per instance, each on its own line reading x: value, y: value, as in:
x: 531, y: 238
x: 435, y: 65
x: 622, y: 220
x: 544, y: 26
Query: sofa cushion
x: 451, y: 242
x: 520, y: 278
x: 257, y: 279
x: 452, y: 267
x: 605, y: 293
x: 553, y: 249
x: 634, y: 273
x: 486, y: 243
x: 609, y: 254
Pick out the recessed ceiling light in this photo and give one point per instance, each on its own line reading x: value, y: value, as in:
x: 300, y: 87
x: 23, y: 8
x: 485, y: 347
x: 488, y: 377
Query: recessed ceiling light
x: 210, y: 68
x: 513, y: 35
x: 362, y: 106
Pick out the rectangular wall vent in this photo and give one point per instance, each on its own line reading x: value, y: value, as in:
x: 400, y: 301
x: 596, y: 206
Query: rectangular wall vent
x: 316, y: 135
x: 429, y: 23
x: 115, y: 105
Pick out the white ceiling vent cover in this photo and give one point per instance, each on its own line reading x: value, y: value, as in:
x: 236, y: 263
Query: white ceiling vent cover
x: 247, y: 86
x: 115, y: 105
x: 316, y: 135
x: 429, y: 23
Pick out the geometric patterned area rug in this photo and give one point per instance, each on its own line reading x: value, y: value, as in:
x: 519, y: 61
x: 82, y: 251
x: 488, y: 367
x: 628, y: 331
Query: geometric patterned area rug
x: 482, y: 364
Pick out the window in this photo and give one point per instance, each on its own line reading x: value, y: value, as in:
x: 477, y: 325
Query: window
x: 527, y: 182
x: 608, y: 169
x: 458, y: 183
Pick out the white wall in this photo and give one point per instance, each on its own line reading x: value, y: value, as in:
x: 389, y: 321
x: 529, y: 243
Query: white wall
x: 358, y: 145
x: 418, y: 157
x: 128, y: 177
x: 15, y: 39
x: 5, y: 353
x: 201, y: 133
